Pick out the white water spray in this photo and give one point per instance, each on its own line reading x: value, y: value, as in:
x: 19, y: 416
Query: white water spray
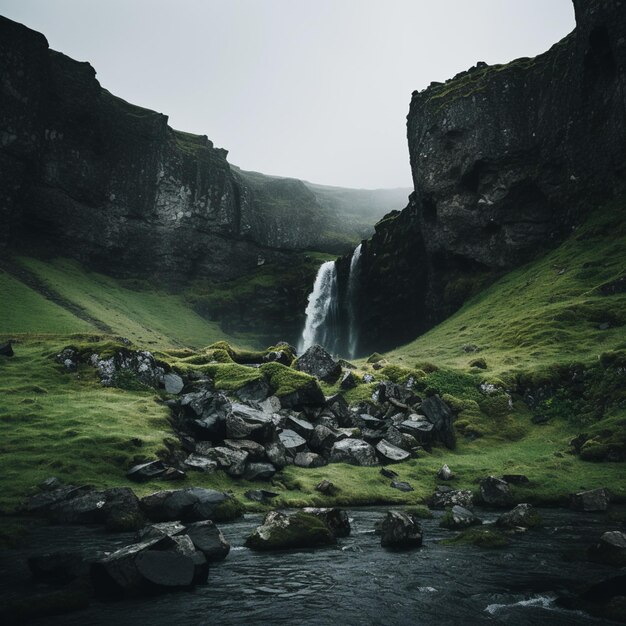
x: 321, y: 309
x: 352, y: 294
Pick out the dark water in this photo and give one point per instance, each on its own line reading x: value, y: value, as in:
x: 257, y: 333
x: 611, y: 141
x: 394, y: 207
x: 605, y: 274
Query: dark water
x: 356, y: 582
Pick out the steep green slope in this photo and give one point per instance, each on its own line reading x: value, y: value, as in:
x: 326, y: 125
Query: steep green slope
x: 557, y: 309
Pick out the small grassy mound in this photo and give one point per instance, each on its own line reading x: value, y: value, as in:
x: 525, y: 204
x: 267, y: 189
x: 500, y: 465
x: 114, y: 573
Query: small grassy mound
x: 480, y: 537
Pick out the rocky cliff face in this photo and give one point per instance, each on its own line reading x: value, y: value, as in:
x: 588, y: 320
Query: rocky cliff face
x: 506, y: 160
x: 88, y: 175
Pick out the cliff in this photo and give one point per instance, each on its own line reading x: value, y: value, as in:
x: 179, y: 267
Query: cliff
x: 506, y: 160
x: 87, y: 175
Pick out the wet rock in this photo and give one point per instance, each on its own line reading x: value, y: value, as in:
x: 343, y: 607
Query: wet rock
x: 326, y: 487
x: 353, y: 452
x: 259, y: 471
x: 591, y: 500
x: 208, y: 539
x: 444, y: 497
x: 200, y: 463
x: 495, y: 492
x: 445, y: 473
x: 610, y: 549
x: 337, y: 520
x: 317, y: 362
x: 458, y: 517
x: 389, y: 453
x: 260, y: 495
x: 173, y: 383
x: 190, y: 505
x: 400, y: 530
x: 288, y: 532
x: 309, y: 459
x: 522, y: 516
x: 401, y: 486
x: 160, y: 530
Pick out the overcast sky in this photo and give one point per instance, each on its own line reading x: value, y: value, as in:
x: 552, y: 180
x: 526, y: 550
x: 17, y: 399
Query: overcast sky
x: 315, y: 89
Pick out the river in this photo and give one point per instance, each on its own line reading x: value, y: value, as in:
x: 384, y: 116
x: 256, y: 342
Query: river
x: 357, y: 582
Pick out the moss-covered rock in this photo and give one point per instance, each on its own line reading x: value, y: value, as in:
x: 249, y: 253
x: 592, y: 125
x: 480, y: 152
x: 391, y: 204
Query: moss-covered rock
x: 285, y: 532
x: 481, y: 537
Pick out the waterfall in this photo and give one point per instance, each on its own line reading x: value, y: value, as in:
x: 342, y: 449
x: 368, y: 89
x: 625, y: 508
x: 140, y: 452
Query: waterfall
x: 352, y: 295
x: 321, y: 311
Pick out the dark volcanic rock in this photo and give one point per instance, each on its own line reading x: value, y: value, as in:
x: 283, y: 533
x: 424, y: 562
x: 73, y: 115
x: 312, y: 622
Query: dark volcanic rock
x: 353, y: 452
x: 389, y: 453
x: 495, y: 492
x: 317, y: 362
x: 309, y: 459
x: 592, y: 500
x: 190, y: 505
x: 522, y: 516
x: 259, y: 471
x: 400, y: 530
x: 459, y: 517
x: 489, y: 196
x: 208, y: 538
x: 336, y: 519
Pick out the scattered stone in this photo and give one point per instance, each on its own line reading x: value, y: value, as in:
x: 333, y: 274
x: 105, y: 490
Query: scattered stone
x: 173, y: 383
x: 445, y: 473
x: 309, y: 459
x: 495, y: 492
x: 592, y: 500
x: 317, y: 362
x: 610, y: 549
x: 522, y: 516
x: 389, y: 453
x: 326, y: 487
x: 208, y: 539
x: 400, y: 530
x: 387, y: 473
x: 516, y: 479
x: 402, y: 486
x: 260, y: 495
x: 353, y: 452
x: 337, y: 520
x: 284, y: 532
x: 6, y: 349
x: 458, y: 517
x: 444, y: 497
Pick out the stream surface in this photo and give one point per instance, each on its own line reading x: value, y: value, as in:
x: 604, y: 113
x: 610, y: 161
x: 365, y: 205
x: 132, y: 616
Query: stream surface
x: 356, y: 582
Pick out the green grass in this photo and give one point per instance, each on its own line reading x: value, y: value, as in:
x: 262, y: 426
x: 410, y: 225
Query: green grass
x: 143, y: 314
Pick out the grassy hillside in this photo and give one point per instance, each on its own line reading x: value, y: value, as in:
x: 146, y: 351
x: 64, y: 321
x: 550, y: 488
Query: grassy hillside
x: 557, y: 323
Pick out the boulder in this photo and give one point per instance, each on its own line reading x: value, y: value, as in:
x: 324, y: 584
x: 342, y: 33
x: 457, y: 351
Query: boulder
x: 444, y: 498
x: 277, y: 454
x: 610, y: 549
x: 591, y: 500
x: 40, y: 503
x: 338, y: 406
x: 292, y: 442
x: 208, y: 539
x: 260, y: 495
x: 309, y: 459
x: 417, y: 426
x: 441, y: 416
x: 401, y: 485
x: 285, y: 532
x: 300, y: 426
x: 160, y: 530
x: 233, y: 461
x: 387, y: 391
x: 495, y: 492
x: 205, y: 412
x: 308, y: 394
x: 284, y: 357
x: 401, y: 440
x: 254, y: 391
x: 400, y: 530
x: 368, y: 421
x: 445, y: 473
x: 458, y: 517
x: 194, y: 504
x: 324, y: 438
x: 200, y: 463
x: 337, y: 520
x: 522, y: 516
x: 259, y: 471
x: 173, y: 383
x: 353, y: 452
x: 6, y: 349
x: 389, y: 453
x: 150, y: 566
x: 255, y: 451
x: 326, y: 487
x: 319, y: 363
x: 247, y: 422
x: 348, y: 381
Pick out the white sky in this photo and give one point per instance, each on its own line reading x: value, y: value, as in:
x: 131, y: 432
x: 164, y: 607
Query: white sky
x: 315, y: 89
